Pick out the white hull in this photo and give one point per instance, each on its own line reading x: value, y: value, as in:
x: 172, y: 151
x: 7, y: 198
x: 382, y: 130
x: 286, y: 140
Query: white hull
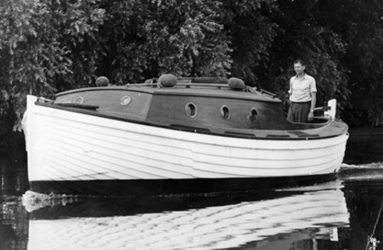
x: 64, y: 145
x: 311, y: 216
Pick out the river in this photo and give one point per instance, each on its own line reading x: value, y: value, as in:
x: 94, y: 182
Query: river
x: 342, y: 214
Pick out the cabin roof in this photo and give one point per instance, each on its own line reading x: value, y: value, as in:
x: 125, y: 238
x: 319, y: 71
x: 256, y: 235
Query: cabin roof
x: 203, y: 90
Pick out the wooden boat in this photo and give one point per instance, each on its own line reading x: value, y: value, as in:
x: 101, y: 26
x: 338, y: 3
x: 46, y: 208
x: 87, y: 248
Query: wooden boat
x: 298, y: 221
x: 186, y: 135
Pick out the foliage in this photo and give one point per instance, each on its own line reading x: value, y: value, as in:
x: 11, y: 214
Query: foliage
x: 141, y: 39
x: 357, y: 27
x: 40, y: 42
x: 301, y: 34
x: 252, y: 32
x: 362, y: 29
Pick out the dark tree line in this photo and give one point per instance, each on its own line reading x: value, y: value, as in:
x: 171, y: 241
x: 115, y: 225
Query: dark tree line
x: 48, y: 46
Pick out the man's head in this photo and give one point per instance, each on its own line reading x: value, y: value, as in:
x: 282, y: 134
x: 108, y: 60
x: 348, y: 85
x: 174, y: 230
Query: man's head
x: 299, y: 67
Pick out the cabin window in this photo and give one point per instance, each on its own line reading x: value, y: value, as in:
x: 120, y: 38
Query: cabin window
x: 253, y: 114
x: 125, y: 100
x: 225, y: 113
x: 79, y: 100
x: 191, y: 109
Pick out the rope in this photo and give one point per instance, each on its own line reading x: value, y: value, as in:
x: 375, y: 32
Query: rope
x: 372, y: 242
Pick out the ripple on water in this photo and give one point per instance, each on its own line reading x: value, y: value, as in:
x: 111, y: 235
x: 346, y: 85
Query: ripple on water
x: 362, y: 172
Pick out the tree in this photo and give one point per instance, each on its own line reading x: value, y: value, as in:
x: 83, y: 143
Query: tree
x: 142, y: 39
x: 38, y: 45
x: 359, y: 28
x: 48, y: 46
x: 362, y: 25
x: 252, y: 31
x: 302, y: 34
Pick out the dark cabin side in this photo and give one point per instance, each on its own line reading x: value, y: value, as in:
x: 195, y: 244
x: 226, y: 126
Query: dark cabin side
x: 188, y: 106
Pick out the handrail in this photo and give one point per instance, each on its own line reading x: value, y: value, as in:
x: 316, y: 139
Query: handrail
x: 324, y: 108
x: 181, y: 84
x: 263, y: 91
x: 78, y: 105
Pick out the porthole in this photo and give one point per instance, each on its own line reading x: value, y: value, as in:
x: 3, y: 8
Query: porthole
x: 125, y: 100
x: 225, y: 113
x: 191, y: 109
x: 253, y: 114
x: 79, y: 100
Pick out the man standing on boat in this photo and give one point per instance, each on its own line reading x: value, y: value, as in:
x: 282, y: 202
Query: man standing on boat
x: 302, y: 94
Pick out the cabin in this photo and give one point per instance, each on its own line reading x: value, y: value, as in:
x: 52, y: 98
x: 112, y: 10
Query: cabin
x: 189, y: 103
x: 204, y: 105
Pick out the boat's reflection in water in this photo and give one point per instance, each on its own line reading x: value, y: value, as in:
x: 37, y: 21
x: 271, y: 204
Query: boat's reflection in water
x: 303, y: 218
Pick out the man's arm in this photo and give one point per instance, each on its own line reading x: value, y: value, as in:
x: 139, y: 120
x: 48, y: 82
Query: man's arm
x: 313, y: 103
x: 313, y: 100
x: 291, y: 87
